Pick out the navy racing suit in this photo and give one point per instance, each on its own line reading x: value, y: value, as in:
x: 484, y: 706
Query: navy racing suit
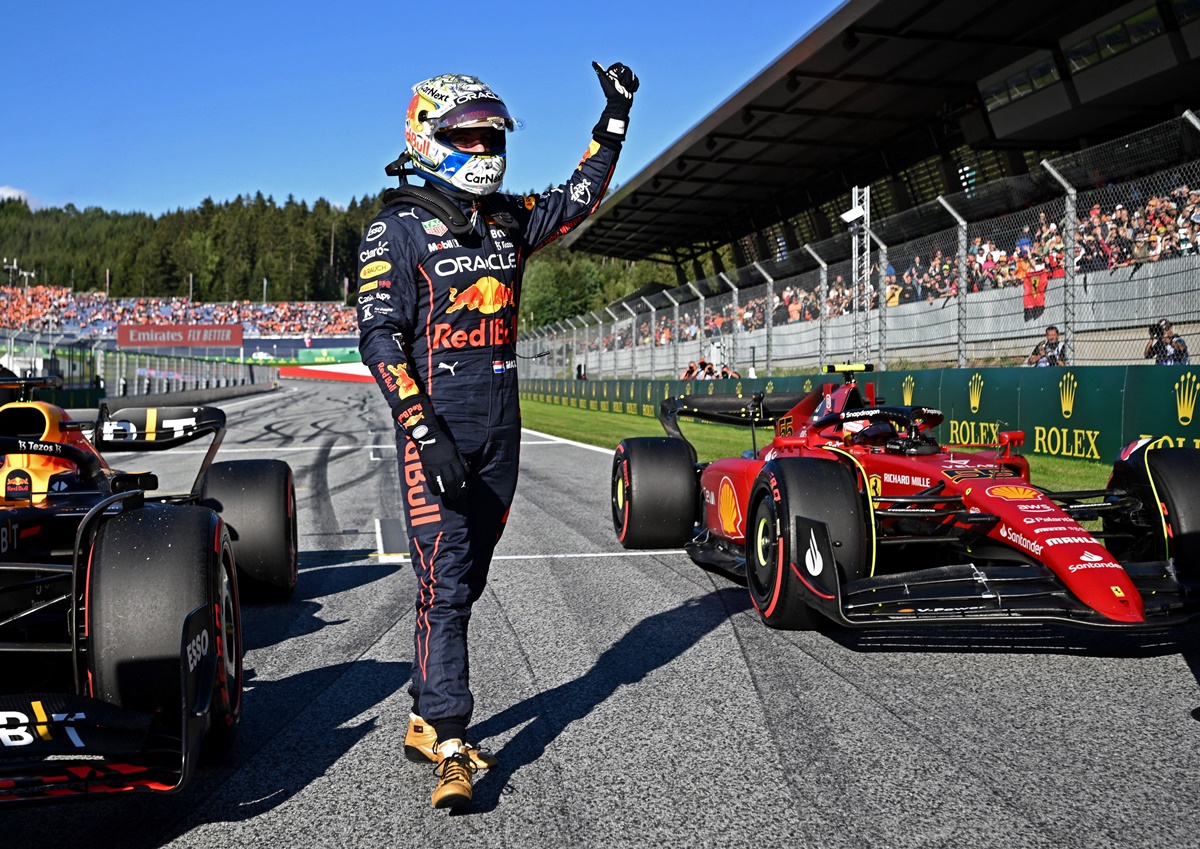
x: 437, y: 314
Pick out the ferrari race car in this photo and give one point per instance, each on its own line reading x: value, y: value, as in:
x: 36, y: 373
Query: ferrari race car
x: 854, y: 514
x: 120, y: 625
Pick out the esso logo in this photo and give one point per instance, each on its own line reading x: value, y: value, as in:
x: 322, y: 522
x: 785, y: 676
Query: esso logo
x: 196, y: 649
x: 376, y: 230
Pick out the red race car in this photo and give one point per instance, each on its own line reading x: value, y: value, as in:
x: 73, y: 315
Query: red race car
x: 854, y: 513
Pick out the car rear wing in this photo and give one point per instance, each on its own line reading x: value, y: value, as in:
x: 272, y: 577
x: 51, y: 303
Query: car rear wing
x: 160, y: 429
x: 747, y: 410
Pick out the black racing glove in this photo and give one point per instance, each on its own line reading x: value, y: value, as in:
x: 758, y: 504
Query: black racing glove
x: 619, y: 83
x: 445, y: 470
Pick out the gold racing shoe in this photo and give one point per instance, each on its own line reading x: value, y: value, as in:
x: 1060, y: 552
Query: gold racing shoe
x: 420, y: 744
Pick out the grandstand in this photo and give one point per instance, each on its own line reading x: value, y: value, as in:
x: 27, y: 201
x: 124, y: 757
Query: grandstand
x: 1055, y: 139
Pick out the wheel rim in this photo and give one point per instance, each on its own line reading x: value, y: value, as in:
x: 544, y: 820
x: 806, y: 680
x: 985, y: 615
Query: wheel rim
x: 761, y: 573
x: 619, y: 504
x: 229, y: 661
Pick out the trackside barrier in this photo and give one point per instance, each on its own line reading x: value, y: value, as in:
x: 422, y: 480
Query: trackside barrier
x: 1087, y: 413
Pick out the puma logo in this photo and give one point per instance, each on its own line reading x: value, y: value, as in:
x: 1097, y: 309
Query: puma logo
x: 450, y: 368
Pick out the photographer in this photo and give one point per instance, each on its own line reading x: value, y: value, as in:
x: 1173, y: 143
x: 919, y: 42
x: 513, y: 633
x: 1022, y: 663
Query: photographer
x: 1167, y: 348
x: 1051, y: 351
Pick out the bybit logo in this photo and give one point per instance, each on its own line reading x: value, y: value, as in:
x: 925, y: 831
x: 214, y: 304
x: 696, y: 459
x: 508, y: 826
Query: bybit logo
x: 975, y: 387
x: 1185, y: 398
x: 908, y: 385
x: 1066, y: 394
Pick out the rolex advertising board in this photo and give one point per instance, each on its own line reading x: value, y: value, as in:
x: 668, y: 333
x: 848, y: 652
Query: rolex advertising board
x: 1073, y: 412
x: 1160, y: 402
x: 977, y: 403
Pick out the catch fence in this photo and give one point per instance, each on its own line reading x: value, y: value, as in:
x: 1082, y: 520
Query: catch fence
x: 1101, y: 244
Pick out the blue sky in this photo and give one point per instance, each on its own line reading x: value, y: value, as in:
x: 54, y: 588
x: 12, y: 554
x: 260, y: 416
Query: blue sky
x: 155, y: 106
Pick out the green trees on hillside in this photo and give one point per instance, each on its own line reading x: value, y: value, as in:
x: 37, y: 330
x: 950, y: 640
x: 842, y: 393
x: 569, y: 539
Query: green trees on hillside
x: 227, y: 249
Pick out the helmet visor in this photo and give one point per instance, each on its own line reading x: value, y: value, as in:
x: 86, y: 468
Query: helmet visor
x: 477, y: 113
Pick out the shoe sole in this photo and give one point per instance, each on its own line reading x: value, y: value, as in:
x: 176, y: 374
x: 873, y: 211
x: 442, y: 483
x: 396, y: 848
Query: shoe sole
x: 452, y: 800
x: 417, y: 756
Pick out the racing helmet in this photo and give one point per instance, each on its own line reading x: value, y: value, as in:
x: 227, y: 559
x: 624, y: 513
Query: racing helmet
x: 450, y: 102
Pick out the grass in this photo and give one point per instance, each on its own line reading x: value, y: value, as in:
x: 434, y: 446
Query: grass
x: 713, y: 441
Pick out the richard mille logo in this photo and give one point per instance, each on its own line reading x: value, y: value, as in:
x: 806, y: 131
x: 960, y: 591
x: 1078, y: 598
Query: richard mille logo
x: 1066, y: 394
x: 908, y: 385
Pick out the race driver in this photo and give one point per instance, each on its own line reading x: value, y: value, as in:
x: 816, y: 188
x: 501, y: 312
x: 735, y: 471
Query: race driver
x: 438, y: 284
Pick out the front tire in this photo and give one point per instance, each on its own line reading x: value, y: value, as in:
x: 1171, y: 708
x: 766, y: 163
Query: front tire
x: 821, y: 491
x: 150, y: 568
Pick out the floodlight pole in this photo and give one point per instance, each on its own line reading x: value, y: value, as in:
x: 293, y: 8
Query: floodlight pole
x: 860, y: 252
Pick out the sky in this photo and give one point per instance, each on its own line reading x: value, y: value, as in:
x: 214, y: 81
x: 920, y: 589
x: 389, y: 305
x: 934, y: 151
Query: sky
x: 151, y: 107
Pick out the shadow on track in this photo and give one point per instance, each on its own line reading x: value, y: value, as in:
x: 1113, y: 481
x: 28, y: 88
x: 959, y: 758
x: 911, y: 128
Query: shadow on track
x: 274, y: 758
x: 652, y: 643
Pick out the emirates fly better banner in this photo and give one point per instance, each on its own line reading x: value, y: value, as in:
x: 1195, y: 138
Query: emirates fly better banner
x: 179, y: 336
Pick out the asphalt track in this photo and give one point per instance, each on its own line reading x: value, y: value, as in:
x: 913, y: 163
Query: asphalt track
x: 635, y: 699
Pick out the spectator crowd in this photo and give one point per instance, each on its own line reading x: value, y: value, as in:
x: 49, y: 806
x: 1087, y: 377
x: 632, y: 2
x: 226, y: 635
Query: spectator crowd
x: 92, y: 314
x: 1126, y: 235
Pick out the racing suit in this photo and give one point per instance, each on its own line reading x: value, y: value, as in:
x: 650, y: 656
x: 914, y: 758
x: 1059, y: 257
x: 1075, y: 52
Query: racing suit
x: 437, y: 314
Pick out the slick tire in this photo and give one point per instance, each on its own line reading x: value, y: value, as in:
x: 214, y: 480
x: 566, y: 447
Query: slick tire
x: 150, y: 568
x: 819, y: 490
x: 1176, y: 476
x: 257, y: 500
x: 655, y: 493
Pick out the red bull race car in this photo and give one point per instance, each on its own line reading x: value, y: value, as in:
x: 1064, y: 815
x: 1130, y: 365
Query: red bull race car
x: 120, y: 623
x: 854, y: 514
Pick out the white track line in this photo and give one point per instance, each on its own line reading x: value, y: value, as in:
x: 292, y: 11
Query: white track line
x: 557, y: 439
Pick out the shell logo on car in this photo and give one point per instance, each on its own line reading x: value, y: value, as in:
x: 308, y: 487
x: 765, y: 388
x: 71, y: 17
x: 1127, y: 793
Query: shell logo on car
x: 1014, y: 493
x: 728, y: 509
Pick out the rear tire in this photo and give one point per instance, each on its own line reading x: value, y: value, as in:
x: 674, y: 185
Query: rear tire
x: 655, y: 494
x: 257, y: 500
x: 819, y: 490
x: 150, y: 568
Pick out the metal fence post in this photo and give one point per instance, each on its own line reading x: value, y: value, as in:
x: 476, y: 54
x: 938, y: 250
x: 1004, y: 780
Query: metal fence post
x: 1070, y: 226
x: 731, y: 358
x: 962, y: 284
x: 768, y: 312
x: 823, y: 297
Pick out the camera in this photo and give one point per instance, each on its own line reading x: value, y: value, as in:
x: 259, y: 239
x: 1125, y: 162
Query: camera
x: 1156, y: 331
